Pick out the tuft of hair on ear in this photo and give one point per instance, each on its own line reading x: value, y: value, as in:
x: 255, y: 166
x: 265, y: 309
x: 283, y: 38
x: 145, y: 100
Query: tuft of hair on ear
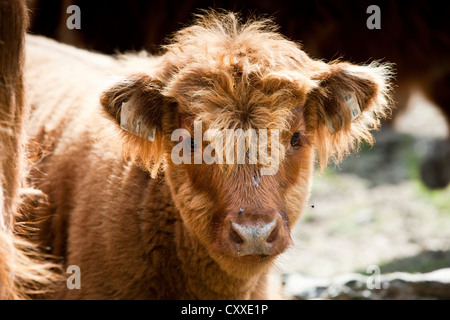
x: 140, y: 94
x: 370, y: 86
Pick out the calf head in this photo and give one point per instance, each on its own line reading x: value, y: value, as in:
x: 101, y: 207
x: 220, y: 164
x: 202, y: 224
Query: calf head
x: 219, y: 75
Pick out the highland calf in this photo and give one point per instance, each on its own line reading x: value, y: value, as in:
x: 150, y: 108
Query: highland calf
x: 140, y: 226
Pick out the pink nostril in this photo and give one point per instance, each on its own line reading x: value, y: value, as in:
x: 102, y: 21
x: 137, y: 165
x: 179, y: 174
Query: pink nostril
x: 273, y: 235
x: 235, y: 237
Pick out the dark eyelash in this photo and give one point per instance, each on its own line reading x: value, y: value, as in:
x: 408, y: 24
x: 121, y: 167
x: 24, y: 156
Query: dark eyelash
x: 303, y: 135
x: 295, y: 139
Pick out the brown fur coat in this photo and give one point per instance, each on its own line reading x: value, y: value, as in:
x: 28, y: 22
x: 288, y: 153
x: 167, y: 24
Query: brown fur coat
x: 141, y: 227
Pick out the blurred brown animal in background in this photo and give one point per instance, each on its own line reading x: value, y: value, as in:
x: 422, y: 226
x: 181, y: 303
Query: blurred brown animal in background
x: 22, y: 273
x: 143, y: 227
x: 415, y: 35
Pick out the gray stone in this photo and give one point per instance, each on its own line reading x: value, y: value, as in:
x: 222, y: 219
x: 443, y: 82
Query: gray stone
x: 398, y: 285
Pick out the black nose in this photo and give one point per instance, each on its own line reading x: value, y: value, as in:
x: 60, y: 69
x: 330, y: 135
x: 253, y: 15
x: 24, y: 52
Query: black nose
x: 254, y: 239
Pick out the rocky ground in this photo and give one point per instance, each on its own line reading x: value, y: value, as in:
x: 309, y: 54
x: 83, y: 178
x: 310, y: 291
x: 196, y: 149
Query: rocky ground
x: 374, y: 210
x: 398, y: 285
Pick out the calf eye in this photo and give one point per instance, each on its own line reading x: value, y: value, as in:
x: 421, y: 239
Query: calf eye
x: 295, y: 139
x: 298, y: 139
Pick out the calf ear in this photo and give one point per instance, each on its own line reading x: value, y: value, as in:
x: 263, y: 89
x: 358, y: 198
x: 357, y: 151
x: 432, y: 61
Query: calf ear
x: 348, y: 103
x: 136, y: 105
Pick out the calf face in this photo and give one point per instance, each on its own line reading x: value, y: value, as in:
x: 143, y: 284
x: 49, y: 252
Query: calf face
x: 219, y: 75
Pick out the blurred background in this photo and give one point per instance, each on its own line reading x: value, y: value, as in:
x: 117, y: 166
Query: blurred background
x: 388, y: 205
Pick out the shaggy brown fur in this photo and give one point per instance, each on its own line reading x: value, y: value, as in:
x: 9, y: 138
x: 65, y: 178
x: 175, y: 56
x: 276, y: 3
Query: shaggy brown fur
x: 141, y: 227
x: 21, y: 274
x: 414, y: 35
